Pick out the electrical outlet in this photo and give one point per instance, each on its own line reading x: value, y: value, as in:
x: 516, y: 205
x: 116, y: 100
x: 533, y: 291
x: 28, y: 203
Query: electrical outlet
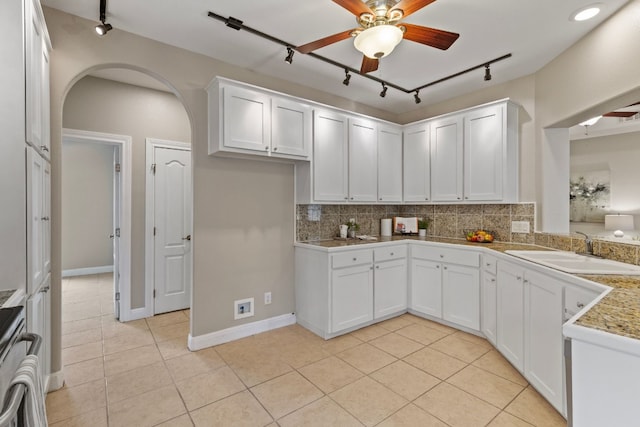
x: 520, y: 227
x: 267, y: 298
x: 243, y: 308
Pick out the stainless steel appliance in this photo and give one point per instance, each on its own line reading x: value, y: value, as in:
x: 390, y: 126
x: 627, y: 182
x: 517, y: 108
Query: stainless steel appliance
x: 13, y: 348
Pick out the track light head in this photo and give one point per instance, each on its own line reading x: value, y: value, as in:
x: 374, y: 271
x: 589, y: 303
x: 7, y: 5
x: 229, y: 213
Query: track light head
x: 417, y: 97
x: 289, y: 58
x: 487, y: 72
x: 347, y: 77
x: 384, y: 90
x: 103, y: 28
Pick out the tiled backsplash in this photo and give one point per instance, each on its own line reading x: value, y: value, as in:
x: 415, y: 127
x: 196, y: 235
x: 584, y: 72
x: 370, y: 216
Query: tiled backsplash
x: 445, y: 220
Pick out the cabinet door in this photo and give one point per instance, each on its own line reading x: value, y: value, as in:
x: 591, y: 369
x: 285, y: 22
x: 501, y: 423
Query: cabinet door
x: 417, y: 171
x: 446, y: 159
x: 426, y: 287
x: 290, y: 128
x: 45, y: 108
x: 461, y: 295
x: 485, y: 154
x: 510, y: 311
x: 46, y: 218
x: 35, y: 220
x: 390, y: 288
x: 543, y: 336
x: 351, y: 297
x: 363, y: 161
x: 389, y: 164
x: 246, y: 121
x: 37, y: 324
x: 330, y: 157
x: 488, y: 294
x: 33, y: 56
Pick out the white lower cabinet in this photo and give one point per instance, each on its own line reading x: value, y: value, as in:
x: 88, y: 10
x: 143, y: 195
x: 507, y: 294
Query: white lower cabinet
x: 445, y: 284
x: 37, y: 307
x: 488, y: 299
x: 390, y: 281
x: 510, y: 313
x: 351, y: 296
x: 543, y: 336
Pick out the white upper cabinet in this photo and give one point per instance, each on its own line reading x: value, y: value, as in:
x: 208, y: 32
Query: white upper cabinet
x: 446, y: 159
x: 330, y: 157
x: 389, y: 163
x: 416, y: 167
x: 290, y: 128
x: 37, y: 78
x: 38, y: 220
x: 247, y: 121
x: 363, y: 160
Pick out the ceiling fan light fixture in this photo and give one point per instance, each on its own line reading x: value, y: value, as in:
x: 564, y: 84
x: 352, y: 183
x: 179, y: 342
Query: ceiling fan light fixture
x: 378, y: 41
x: 586, y: 13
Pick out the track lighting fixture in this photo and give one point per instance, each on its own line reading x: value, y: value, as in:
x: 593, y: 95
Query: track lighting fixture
x: 487, y: 72
x: 384, y: 90
x: 289, y: 58
x: 347, y: 77
x: 103, y: 28
x: 417, y: 98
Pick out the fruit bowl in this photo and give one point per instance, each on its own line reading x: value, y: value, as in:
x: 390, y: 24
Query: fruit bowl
x: 479, y: 236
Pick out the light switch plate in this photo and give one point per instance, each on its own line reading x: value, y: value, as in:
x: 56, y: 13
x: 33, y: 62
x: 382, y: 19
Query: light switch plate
x: 520, y: 227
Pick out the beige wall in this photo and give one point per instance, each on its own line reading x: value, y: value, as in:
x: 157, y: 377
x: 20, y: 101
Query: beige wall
x: 100, y: 105
x: 87, y: 205
x: 218, y: 182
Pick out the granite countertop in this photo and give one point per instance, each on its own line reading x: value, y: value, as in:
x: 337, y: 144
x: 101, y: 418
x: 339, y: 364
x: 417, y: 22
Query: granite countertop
x: 496, y: 246
x: 617, y: 313
x: 5, y: 295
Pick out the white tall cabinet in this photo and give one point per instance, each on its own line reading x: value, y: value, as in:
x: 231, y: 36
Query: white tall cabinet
x: 24, y: 166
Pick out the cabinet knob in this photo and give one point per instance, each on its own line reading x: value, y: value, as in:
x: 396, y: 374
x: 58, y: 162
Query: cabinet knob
x: 266, y: 147
x: 437, y: 266
x: 346, y: 198
x: 519, y: 277
x: 377, y: 266
x: 579, y: 305
x: 441, y: 256
x: 525, y: 281
x: 458, y: 198
x: 493, y: 280
x: 444, y: 268
x: 467, y: 197
x: 45, y: 218
x: 355, y: 259
x: 44, y: 148
x: 352, y: 198
x: 488, y: 264
x: 391, y: 253
x: 380, y: 198
x: 426, y: 198
x: 275, y: 148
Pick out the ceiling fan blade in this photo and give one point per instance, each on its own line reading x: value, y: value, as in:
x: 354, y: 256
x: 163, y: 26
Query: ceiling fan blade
x: 410, y: 6
x: 306, y: 48
x: 357, y: 7
x: 430, y: 36
x: 368, y: 64
x: 623, y: 114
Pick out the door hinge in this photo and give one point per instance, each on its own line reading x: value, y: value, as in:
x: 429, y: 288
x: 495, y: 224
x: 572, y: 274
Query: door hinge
x: 117, y: 167
x: 153, y: 168
x: 154, y: 231
x: 118, y: 232
x: 117, y: 296
x: 154, y: 293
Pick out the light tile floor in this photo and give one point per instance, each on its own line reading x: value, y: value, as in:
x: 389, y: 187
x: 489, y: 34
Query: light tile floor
x: 406, y: 371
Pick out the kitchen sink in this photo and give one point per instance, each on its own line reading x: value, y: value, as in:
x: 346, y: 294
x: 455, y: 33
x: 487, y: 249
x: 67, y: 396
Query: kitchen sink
x: 574, y: 263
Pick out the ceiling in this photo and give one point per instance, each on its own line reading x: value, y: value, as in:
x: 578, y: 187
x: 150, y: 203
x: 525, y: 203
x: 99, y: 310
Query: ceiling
x: 534, y: 32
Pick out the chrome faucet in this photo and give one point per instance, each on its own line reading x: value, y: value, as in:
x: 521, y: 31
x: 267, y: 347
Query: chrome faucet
x: 588, y: 242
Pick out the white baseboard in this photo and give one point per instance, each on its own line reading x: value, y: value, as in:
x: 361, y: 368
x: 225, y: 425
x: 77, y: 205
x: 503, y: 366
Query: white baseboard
x: 56, y: 381
x: 87, y: 271
x: 237, y: 332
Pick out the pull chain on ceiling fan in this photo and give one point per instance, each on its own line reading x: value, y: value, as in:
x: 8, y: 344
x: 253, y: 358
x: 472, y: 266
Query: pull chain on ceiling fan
x: 380, y: 30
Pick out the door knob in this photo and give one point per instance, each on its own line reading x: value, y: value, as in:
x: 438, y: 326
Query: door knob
x: 187, y: 238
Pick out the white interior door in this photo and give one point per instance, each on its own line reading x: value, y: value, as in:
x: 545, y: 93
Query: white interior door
x: 117, y: 194
x: 172, y: 227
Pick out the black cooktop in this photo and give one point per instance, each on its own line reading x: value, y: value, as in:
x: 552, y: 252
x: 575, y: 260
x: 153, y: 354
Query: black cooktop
x: 11, y: 320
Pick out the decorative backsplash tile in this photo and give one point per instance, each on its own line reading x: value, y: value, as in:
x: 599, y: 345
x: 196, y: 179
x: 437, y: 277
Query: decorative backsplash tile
x: 444, y: 220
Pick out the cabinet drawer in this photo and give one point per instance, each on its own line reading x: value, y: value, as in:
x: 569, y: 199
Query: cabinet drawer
x: 489, y: 264
x: 389, y: 253
x: 453, y: 256
x: 351, y: 258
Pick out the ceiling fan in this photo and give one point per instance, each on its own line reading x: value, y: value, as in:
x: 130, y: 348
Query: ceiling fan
x: 380, y: 30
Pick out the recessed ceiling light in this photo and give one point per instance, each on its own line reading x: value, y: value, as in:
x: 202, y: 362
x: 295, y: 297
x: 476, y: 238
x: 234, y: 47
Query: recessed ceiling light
x: 586, y: 13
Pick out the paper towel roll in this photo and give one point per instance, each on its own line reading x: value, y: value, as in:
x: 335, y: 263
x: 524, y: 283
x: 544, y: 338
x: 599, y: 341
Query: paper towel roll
x: 385, y: 227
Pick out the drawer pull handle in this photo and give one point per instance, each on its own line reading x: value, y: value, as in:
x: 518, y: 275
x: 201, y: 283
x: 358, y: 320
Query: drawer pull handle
x: 580, y: 305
